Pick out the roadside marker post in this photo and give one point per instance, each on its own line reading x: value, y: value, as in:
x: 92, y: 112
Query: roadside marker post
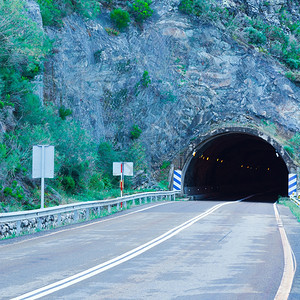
x: 292, y: 185
x: 42, y: 165
x: 177, y: 180
x: 122, y: 169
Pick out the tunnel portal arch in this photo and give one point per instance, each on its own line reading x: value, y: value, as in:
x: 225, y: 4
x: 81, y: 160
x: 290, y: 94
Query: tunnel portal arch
x: 236, y: 161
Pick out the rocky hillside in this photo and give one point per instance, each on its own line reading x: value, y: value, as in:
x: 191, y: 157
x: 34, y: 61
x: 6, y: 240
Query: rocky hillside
x: 145, y: 85
x: 200, y: 72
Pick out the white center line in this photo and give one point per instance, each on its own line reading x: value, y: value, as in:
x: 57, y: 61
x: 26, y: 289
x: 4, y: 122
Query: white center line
x: 51, y: 288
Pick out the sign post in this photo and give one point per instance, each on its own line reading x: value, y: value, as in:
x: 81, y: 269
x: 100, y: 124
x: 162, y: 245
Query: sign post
x: 122, y: 169
x: 43, y: 165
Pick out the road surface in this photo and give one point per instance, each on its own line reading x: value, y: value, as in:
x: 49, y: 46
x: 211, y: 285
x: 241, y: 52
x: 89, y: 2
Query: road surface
x: 168, y: 250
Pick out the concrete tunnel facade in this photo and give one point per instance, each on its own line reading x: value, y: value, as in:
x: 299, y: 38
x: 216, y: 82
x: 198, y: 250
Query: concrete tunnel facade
x: 235, y: 162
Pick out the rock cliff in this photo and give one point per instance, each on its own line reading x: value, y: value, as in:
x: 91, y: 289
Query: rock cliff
x: 201, y: 78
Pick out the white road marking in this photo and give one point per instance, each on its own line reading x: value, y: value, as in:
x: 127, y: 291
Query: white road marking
x: 85, y: 225
x: 289, y: 262
x: 51, y: 288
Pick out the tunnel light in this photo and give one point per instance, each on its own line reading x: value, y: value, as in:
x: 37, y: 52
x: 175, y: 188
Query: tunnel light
x: 217, y: 159
x: 194, y: 153
x: 248, y: 167
x: 277, y: 154
x: 222, y: 160
x: 207, y: 158
x: 242, y: 166
x: 268, y: 169
x: 201, y: 156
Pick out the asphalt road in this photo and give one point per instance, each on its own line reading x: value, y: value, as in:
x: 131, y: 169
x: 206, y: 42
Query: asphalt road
x: 233, y: 253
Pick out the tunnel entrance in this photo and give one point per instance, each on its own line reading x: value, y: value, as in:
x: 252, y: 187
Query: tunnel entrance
x: 236, y: 165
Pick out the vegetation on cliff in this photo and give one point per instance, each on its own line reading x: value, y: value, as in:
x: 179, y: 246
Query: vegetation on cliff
x: 282, y: 41
x: 81, y: 166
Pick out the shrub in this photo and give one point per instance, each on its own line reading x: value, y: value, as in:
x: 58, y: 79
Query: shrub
x: 64, y: 112
x: 293, y: 76
x: 68, y: 183
x: 111, y: 31
x: 199, y: 8
x: 54, y: 10
x: 7, y: 191
x: 120, y: 18
x: 255, y: 36
x: 141, y: 10
x: 96, y: 182
x: 145, y: 81
x: 135, y: 132
x: 293, y: 63
x: 106, y: 156
x: 51, y: 13
x: 165, y: 165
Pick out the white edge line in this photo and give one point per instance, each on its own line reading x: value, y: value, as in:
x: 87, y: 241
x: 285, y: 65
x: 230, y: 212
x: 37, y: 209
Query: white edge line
x: 51, y: 288
x: 290, y: 264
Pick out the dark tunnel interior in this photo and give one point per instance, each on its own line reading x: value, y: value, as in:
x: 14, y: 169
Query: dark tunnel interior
x: 236, y: 165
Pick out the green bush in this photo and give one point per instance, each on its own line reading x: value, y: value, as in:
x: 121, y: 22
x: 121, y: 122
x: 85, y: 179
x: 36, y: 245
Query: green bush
x: 135, y: 132
x: 165, y: 165
x: 54, y: 10
x: 141, y: 10
x: 199, y: 8
x: 145, y: 81
x: 68, y: 183
x: 7, y: 191
x: 255, y: 36
x: 96, y: 182
x: 120, y: 18
x: 51, y: 13
x: 64, y: 112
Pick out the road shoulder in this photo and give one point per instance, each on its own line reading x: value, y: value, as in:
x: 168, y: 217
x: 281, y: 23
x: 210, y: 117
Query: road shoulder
x: 292, y: 228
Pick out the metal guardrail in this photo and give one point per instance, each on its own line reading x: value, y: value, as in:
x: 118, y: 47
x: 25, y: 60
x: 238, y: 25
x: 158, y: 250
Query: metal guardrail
x: 294, y: 199
x: 38, y: 214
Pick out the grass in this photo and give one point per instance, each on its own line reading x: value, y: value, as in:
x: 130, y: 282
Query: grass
x: 291, y: 205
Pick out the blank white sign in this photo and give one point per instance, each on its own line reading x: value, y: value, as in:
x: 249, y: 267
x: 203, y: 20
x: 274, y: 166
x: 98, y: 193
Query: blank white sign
x: 37, y: 161
x: 128, y: 168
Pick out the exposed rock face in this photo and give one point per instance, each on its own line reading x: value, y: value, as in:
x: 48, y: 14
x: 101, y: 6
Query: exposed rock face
x: 200, y: 77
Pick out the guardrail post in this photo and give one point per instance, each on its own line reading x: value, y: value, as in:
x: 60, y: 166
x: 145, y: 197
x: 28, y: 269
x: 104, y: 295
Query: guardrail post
x: 18, y: 229
x: 87, y: 213
x: 118, y: 206
x: 98, y: 211
x: 109, y: 208
x: 39, y: 223
x: 58, y: 219
x: 140, y: 199
x: 125, y: 204
x: 133, y: 202
x: 76, y: 216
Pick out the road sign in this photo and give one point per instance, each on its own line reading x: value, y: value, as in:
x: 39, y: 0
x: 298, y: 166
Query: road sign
x: 38, y: 162
x: 122, y: 169
x: 177, y: 180
x: 127, y: 171
x: 43, y: 165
